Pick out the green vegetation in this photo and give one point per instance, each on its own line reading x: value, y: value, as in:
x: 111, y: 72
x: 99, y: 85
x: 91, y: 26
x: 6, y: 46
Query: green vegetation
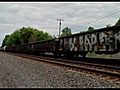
x: 66, y: 32
x: 4, y: 41
x: 109, y: 25
x: 117, y: 23
x: 25, y: 35
x: 90, y: 29
x: 92, y: 54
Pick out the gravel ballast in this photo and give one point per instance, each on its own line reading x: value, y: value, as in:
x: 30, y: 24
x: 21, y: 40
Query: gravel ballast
x: 18, y: 72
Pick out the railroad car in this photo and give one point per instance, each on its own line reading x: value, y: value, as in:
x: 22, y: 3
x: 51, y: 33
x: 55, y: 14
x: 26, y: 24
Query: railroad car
x: 47, y: 46
x: 104, y: 40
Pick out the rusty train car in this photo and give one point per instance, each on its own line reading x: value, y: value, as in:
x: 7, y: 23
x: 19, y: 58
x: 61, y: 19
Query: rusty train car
x: 104, y: 40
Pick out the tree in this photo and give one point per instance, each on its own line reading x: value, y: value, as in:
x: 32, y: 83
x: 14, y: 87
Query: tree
x: 40, y: 35
x: 117, y: 23
x: 66, y: 32
x: 32, y: 38
x: 25, y: 35
x: 14, y: 39
x: 4, y: 40
x: 109, y: 25
x: 90, y: 28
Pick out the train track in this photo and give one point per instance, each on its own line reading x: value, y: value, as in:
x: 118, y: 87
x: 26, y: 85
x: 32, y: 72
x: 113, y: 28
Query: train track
x: 104, y: 71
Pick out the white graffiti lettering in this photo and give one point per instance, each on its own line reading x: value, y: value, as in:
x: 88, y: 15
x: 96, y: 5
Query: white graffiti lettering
x: 87, y: 44
x: 74, y: 41
x: 71, y: 44
x: 93, y: 39
x: 81, y: 43
x: 117, y: 40
x: 94, y: 42
x: 102, y: 37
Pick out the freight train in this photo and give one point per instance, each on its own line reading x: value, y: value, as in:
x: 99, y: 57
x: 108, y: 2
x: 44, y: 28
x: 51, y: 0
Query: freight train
x: 104, y: 40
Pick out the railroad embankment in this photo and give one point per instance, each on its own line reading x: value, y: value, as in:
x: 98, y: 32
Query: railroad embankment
x: 19, y: 72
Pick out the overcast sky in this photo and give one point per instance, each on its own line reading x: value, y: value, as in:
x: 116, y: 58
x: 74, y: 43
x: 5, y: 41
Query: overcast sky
x: 43, y: 16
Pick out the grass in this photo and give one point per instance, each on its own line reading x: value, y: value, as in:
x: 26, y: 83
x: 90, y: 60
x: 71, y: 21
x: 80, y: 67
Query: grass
x: 94, y: 55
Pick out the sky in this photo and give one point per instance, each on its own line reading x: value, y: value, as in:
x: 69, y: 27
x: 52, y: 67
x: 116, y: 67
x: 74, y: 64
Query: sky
x: 44, y: 15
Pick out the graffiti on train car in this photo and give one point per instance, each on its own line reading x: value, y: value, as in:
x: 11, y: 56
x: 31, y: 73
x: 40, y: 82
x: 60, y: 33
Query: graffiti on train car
x: 99, y: 41
x: 107, y: 41
x: 61, y: 44
x: 71, y: 44
x: 117, y: 41
x: 90, y: 42
x: 66, y: 44
x: 81, y: 43
x: 74, y: 44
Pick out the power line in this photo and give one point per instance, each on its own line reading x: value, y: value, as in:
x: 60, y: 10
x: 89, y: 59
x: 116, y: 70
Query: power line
x: 100, y: 17
x: 107, y: 13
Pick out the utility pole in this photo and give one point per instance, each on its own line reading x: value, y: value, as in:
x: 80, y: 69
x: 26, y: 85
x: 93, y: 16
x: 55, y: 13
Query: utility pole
x: 60, y: 25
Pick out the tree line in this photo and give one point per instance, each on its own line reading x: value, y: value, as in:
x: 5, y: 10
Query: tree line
x: 27, y: 35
